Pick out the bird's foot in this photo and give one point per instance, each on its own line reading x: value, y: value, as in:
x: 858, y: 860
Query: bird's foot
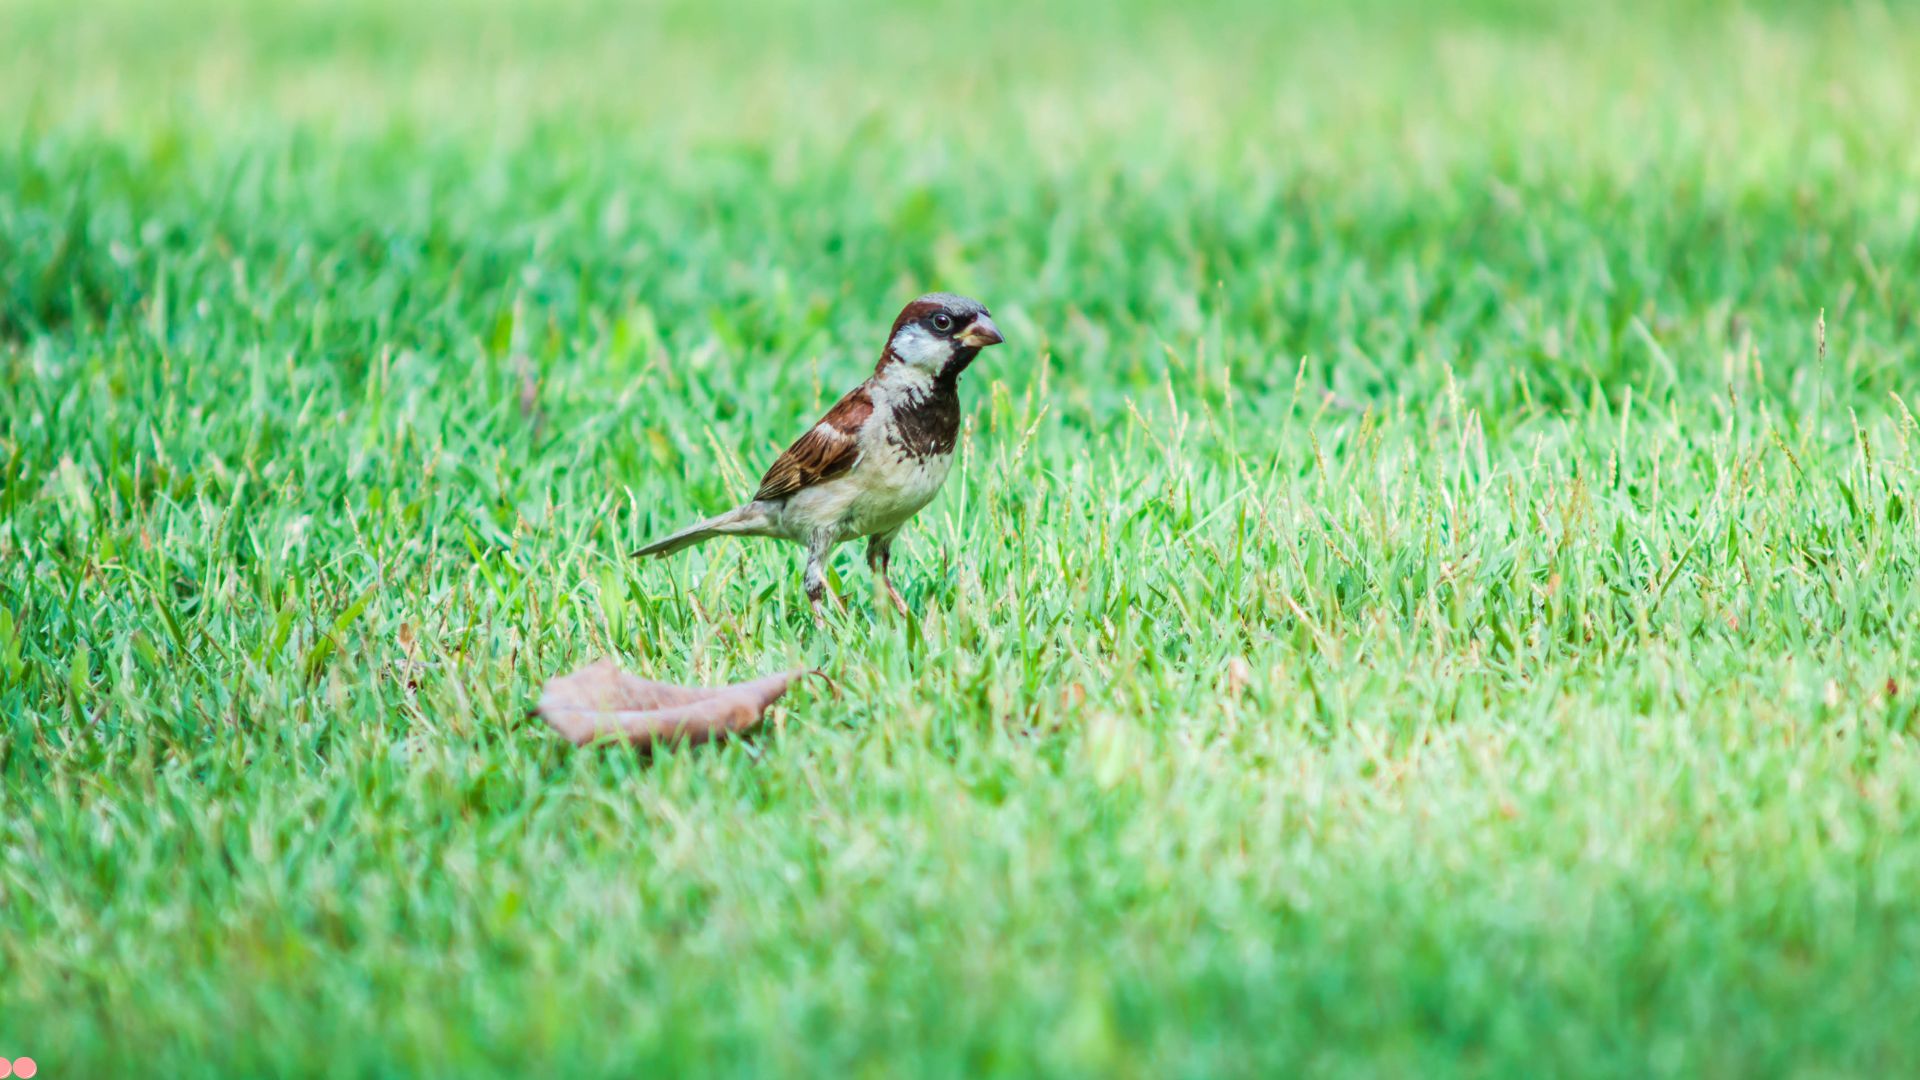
x: 819, y: 613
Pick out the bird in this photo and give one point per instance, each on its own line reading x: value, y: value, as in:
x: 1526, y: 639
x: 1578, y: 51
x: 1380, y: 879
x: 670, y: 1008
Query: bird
x: 875, y: 459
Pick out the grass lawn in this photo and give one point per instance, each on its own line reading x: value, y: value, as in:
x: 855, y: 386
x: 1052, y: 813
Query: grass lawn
x: 1431, y: 585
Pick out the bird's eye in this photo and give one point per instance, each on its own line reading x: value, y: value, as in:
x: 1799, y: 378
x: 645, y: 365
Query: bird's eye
x: 943, y: 322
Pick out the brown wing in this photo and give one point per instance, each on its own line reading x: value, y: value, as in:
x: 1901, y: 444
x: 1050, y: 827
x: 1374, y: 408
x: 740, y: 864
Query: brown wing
x: 828, y: 449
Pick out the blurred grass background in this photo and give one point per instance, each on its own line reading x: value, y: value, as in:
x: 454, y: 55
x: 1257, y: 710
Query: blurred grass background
x: 1430, y: 587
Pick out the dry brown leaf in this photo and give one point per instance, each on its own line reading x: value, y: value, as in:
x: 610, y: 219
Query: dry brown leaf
x: 600, y: 700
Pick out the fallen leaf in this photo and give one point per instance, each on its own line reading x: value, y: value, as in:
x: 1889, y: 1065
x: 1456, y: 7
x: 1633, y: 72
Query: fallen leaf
x: 600, y: 700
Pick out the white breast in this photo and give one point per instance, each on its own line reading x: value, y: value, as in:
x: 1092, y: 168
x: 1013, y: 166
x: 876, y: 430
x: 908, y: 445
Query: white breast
x: 893, y: 486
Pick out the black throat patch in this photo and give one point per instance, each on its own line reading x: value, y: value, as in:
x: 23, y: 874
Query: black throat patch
x: 929, y: 426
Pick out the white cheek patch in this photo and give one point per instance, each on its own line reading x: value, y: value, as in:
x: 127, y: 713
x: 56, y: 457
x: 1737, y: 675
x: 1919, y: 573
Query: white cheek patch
x: 921, y: 349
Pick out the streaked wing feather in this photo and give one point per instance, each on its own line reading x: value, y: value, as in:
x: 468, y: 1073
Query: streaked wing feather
x: 828, y: 449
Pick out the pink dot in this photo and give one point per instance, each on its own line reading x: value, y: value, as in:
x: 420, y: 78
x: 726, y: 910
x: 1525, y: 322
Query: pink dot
x: 24, y: 1068
x: 6, y: 1068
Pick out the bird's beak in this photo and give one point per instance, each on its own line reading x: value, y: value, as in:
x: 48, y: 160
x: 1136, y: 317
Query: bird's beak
x: 981, y: 333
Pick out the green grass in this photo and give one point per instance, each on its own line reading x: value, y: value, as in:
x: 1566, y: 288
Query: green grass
x: 1417, y: 597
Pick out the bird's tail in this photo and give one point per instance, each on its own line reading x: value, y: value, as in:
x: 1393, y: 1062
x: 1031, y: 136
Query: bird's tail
x: 748, y: 520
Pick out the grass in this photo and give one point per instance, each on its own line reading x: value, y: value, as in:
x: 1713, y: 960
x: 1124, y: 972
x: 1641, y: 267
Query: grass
x: 1430, y: 586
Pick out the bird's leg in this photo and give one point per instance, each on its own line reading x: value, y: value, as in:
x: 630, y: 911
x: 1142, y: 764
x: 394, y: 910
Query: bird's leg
x: 880, y: 557
x: 816, y: 578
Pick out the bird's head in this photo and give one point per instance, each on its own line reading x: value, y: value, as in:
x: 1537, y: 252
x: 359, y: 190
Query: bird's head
x: 939, y: 335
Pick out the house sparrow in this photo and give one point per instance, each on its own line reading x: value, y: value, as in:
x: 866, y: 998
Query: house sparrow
x: 876, y: 458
